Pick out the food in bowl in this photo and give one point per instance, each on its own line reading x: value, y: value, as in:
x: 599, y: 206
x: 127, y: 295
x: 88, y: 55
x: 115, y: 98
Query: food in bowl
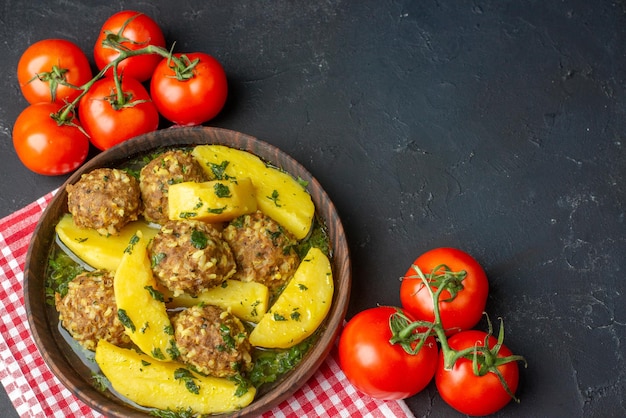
x: 277, y: 283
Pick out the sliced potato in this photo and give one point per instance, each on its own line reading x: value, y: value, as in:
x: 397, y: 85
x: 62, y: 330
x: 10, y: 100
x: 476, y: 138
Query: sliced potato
x: 246, y: 300
x: 211, y: 201
x: 154, y: 384
x: 99, y: 251
x: 140, y: 306
x: 278, y: 194
x: 301, y: 307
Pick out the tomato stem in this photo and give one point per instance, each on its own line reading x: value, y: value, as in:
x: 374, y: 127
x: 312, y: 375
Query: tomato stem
x: 484, y: 359
x: 182, y: 66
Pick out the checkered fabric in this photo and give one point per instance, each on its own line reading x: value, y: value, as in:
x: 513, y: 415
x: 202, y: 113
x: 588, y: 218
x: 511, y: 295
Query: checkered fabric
x: 35, y: 392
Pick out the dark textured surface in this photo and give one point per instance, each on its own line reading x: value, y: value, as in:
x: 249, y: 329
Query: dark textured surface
x: 493, y: 126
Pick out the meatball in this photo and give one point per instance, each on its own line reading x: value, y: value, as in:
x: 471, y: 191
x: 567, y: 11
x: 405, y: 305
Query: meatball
x: 104, y: 199
x: 263, y: 250
x: 171, y: 167
x: 190, y: 257
x: 212, y: 340
x: 88, y: 310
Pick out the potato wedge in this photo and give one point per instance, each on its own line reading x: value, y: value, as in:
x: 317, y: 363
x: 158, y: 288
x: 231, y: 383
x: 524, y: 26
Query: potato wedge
x: 211, y: 201
x: 99, y: 251
x: 246, y: 300
x: 278, y: 194
x: 301, y: 307
x: 140, y: 306
x: 164, y: 385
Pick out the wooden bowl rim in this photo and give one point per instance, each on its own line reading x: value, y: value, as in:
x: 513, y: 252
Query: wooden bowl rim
x: 45, y: 333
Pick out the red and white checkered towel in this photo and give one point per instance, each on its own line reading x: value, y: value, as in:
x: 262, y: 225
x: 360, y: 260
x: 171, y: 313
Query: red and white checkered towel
x: 35, y: 392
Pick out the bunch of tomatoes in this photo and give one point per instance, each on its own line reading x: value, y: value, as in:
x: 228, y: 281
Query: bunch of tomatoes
x: 393, y: 353
x: 138, y: 81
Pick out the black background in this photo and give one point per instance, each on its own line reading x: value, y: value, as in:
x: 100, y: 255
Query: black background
x: 497, y: 127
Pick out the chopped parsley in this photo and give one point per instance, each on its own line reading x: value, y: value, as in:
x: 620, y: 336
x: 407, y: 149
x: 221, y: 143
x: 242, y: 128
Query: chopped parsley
x: 274, y: 198
x: 216, y: 211
x: 156, y: 295
x: 133, y: 240
x: 100, y: 381
x: 156, y: 259
x: 279, y: 317
x: 221, y: 190
x: 219, y: 170
x: 125, y: 320
x: 188, y: 378
x: 199, y: 239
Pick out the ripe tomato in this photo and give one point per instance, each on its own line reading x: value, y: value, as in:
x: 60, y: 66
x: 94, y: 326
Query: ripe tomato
x: 46, y: 147
x: 378, y: 368
x: 109, y: 122
x: 466, y: 309
x: 471, y: 394
x: 133, y: 30
x: 196, y: 97
x: 46, y: 64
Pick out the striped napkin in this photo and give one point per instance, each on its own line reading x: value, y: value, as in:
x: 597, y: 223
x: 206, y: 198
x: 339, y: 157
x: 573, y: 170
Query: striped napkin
x: 35, y: 391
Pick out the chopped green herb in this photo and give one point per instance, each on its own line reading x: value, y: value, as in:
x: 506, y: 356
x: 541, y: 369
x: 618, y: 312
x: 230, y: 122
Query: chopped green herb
x: 156, y: 295
x: 156, y: 259
x: 172, y: 350
x: 157, y: 353
x: 219, y: 170
x: 133, y: 240
x: 254, y: 312
x: 217, y: 211
x: 199, y: 239
x: 274, y: 198
x: 100, y: 381
x: 302, y: 182
x: 187, y: 215
x: 186, y: 376
x: 295, y: 315
x: 279, y: 317
x: 242, y: 385
x: 61, y: 270
x: 229, y: 341
x: 270, y: 365
x: 81, y: 240
x: 221, y: 190
x: 145, y: 363
x: 302, y: 287
x: 145, y: 327
x: 125, y: 320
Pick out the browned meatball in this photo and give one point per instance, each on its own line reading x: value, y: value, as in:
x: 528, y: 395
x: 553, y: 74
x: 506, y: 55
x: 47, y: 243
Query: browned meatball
x: 212, y: 340
x: 88, y: 310
x: 263, y: 250
x: 171, y: 167
x: 104, y: 199
x: 190, y: 257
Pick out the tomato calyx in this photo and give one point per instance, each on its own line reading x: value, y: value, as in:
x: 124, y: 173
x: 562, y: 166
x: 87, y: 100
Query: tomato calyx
x: 484, y: 359
x: 405, y: 332
x: 116, y: 40
x: 54, y: 77
x: 442, y: 277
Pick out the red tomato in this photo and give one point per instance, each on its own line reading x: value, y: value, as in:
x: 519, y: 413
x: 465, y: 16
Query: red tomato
x: 466, y: 309
x: 46, y: 64
x: 133, y: 30
x: 471, y: 394
x: 46, y: 147
x: 378, y: 368
x: 197, y: 98
x: 107, y: 122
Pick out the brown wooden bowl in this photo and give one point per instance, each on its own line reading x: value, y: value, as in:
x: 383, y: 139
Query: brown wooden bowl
x: 43, y: 319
